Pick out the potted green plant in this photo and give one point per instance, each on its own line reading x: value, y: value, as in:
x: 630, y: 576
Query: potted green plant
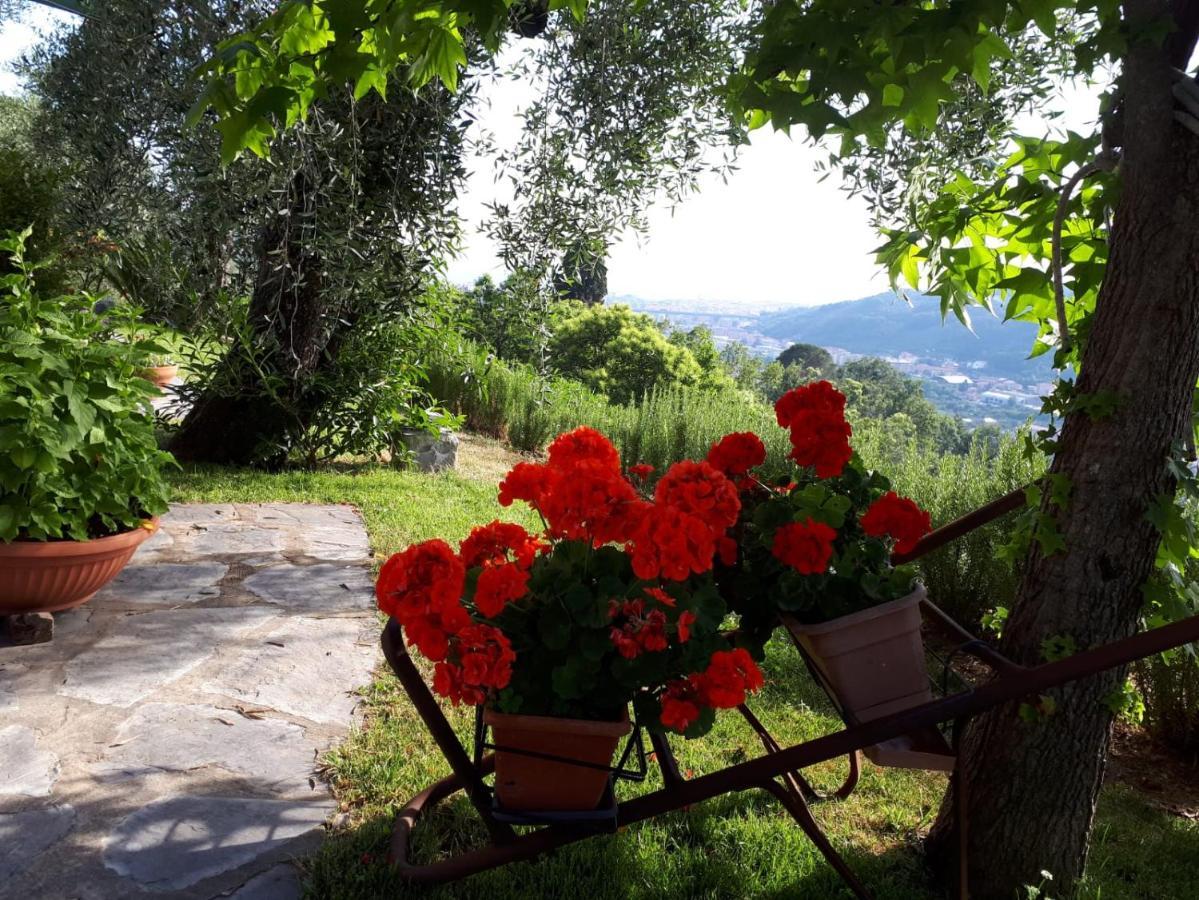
x: 816, y: 547
x: 160, y: 371
x: 80, y: 471
x: 556, y: 633
x: 423, y: 435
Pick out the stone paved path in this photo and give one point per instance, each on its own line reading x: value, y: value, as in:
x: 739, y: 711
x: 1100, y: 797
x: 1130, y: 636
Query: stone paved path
x: 164, y: 744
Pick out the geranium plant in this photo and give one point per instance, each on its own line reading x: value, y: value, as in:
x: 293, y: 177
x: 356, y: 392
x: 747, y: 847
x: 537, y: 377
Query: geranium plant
x: 817, y: 545
x: 611, y: 602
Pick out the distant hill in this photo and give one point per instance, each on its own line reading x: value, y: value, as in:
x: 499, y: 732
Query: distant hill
x: 884, y: 325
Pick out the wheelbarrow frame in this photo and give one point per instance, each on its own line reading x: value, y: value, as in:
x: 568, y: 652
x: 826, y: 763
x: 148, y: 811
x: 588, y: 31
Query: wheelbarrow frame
x: 778, y: 770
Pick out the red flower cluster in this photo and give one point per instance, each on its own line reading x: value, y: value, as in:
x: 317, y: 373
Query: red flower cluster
x: 898, y: 517
x: 641, y: 470
x: 700, y: 490
x: 579, y: 491
x: 506, y: 552
x: 815, y: 415
x: 723, y: 685
x: 804, y: 546
x: 735, y: 454
x: 499, y: 542
x: 484, y: 662
x: 583, y: 444
x: 670, y: 544
x: 498, y: 586
x: 422, y: 589
x: 641, y: 631
x: 644, y: 631
x: 682, y: 530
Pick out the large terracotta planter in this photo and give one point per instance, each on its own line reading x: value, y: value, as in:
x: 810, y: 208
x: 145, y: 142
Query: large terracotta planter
x: 873, y: 659
x: 529, y: 783
x: 46, y: 576
x: 160, y: 375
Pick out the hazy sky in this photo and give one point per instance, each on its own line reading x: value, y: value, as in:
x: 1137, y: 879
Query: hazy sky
x: 773, y: 235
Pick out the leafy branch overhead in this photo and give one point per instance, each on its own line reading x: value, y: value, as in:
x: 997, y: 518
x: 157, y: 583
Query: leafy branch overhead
x: 271, y: 75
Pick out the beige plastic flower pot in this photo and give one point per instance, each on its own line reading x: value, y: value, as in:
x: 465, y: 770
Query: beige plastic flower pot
x: 873, y: 659
x: 47, y: 576
x: 530, y: 783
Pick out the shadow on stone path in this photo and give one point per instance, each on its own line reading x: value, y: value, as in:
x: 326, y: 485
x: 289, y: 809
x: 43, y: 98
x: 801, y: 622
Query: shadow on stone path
x: 165, y: 743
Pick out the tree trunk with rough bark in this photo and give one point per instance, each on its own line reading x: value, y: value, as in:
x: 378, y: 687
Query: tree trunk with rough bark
x: 294, y: 329
x: 1032, y: 788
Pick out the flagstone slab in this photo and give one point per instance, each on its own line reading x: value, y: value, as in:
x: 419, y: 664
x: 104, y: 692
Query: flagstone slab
x: 321, y: 532
x: 281, y: 882
x: 183, y: 711
x: 184, y: 737
x: 9, y: 673
x: 27, y: 768
x: 176, y: 842
x: 314, y: 589
x: 163, y: 584
x: 229, y: 539
x: 189, y: 515
x: 25, y: 835
x: 143, y: 652
x: 306, y: 667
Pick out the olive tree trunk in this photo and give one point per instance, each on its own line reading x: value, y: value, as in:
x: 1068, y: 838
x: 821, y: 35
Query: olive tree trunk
x: 1033, y: 787
x: 249, y: 416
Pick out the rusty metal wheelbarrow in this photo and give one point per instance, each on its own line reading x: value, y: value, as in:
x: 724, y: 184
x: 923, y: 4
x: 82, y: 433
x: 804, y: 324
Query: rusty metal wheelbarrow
x: 910, y: 738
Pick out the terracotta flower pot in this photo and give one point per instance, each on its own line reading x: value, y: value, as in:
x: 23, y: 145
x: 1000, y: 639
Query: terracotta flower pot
x: 529, y: 783
x: 874, y: 659
x: 46, y: 576
x: 159, y: 375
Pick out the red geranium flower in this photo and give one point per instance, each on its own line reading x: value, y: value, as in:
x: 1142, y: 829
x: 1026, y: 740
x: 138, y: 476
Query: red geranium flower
x: 700, y: 490
x: 498, y: 586
x: 499, y: 542
x: 640, y: 632
x: 568, y: 450
x: 670, y: 544
x: 729, y: 675
x: 818, y: 396
x: 426, y: 578
x: 686, y: 620
x: 484, y: 662
x: 641, y: 470
x: 735, y: 454
x: 898, y: 517
x: 821, y: 442
x: 815, y: 415
x: 804, y: 546
x: 589, y: 503
x: 678, y: 714
x: 429, y: 636
x: 527, y: 481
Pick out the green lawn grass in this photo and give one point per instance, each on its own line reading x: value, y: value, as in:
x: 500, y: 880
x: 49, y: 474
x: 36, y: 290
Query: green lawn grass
x: 736, y: 846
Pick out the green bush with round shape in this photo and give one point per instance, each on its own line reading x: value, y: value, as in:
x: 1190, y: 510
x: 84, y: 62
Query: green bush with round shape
x: 78, y: 456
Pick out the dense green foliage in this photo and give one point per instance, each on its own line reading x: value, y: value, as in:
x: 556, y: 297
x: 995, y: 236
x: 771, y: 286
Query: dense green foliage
x: 620, y: 353
x: 29, y: 184
x: 78, y: 455
x: 293, y: 274
x: 807, y: 356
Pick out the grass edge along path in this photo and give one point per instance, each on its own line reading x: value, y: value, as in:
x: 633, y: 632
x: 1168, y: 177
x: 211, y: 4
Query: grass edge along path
x: 736, y: 846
